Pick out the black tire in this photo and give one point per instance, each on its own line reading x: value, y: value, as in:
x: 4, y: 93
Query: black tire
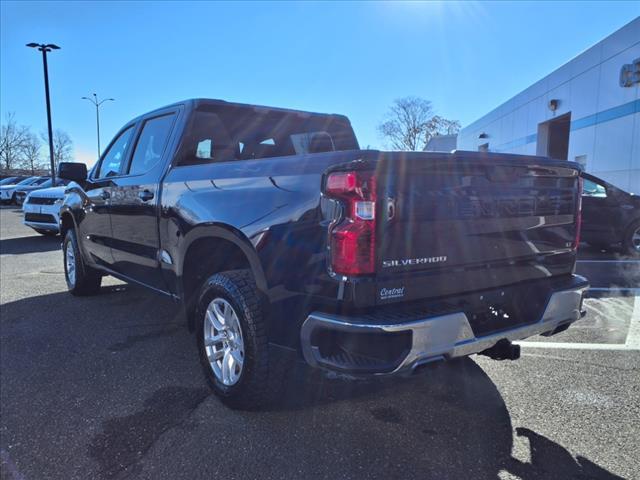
x: 628, y: 241
x: 86, y: 280
x: 259, y: 380
x: 49, y: 233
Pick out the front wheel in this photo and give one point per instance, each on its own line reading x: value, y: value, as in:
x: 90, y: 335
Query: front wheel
x: 232, y: 341
x: 81, y: 279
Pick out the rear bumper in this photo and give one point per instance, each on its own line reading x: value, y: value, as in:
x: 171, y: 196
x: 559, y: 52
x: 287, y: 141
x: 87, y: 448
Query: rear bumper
x: 413, y: 342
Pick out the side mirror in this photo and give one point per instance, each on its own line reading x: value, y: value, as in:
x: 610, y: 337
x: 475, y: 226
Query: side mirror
x: 76, y: 172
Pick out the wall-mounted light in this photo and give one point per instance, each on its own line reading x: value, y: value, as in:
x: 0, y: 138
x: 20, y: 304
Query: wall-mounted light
x: 553, y: 104
x: 483, y: 135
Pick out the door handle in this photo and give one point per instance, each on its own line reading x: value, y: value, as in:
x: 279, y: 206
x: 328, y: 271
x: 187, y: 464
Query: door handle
x: 105, y: 195
x: 145, y: 195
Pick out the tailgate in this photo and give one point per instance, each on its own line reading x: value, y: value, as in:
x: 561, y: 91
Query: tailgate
x: 469, y: 210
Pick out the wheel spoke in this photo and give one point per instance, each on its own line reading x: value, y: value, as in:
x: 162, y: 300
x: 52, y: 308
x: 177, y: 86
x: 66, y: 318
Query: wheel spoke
x: 226, y: 368
x: 219, y: 311
x: 210, y: 341
x: 228, y: 315
x: 237, y: 357
x: 213, y: 319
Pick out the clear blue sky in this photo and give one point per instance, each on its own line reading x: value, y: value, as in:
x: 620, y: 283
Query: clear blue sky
x: 351, y: 58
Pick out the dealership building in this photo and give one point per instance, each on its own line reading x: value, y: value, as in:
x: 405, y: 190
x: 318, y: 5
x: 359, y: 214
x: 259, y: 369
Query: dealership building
x: 588, y: 111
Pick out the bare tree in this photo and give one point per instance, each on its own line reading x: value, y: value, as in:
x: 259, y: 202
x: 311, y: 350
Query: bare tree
x: 12, y: 141
x: 411, y: 123
x: 442, y: 126
x: 31, y: 153
x: 62, y: 146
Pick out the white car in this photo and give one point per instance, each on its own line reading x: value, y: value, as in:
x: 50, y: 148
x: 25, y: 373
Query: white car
x: 42, y: 210
x: 7, y: 192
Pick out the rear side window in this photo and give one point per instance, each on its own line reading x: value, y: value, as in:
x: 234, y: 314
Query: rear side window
x: 207, y: 140
x: 151, y: 144
x: 312, y: 142
x: 112, y: 160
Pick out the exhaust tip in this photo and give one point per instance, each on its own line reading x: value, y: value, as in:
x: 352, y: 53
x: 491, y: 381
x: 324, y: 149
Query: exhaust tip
x: 503, y: 350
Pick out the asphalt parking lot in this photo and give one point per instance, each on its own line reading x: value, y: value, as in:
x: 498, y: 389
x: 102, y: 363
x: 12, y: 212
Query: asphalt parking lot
x: 110, y: 387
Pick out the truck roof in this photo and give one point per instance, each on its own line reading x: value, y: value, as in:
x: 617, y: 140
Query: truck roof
x: 193, y: 103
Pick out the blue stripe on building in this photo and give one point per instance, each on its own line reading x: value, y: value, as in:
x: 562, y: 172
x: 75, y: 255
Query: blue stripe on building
x: 584, y: 122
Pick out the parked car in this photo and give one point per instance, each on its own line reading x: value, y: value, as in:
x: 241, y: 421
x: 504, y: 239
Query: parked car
x: 22, y: 192
x: 610, y: 216
x: 281, y: 237
x: 42, y: 210
x: 11, y: 180
x: 7, y: 192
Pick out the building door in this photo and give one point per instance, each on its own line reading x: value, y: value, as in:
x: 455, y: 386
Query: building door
x: 553, y: 137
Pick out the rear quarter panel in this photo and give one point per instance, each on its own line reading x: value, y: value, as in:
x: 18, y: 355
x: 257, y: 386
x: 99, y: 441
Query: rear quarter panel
x: 272, y: 206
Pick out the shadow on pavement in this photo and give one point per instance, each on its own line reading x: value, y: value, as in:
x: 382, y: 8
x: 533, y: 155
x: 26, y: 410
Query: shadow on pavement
x: 34, y: 244
x: 553, y: 462
x: 122, y: 362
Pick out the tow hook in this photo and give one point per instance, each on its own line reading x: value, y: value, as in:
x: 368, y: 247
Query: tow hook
x: 503, y: 350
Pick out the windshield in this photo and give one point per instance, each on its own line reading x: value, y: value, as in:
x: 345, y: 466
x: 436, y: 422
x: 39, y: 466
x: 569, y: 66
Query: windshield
x: 7, y: 181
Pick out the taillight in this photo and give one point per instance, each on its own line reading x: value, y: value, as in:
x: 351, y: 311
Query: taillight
x: 576, y: 240
x: 352, y: 239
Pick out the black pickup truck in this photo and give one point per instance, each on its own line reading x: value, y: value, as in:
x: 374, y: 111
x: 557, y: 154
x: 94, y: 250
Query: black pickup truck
x: 281, y: 237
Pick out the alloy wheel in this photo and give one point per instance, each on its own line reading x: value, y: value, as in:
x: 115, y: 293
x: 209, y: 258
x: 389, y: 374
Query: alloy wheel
x: 70, y: 261
x: 223, y: 341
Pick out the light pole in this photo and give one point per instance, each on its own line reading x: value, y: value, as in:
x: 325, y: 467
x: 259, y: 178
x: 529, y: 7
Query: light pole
x: 44, y: 48
x: 97, y: 103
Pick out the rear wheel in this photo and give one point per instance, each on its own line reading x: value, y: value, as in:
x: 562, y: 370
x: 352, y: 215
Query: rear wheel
x: 631, y: 242
x: 232, y: 341
x: 81, y: 279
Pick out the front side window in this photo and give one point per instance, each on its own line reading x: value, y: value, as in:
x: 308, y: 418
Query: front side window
x: 112, y: 160
x: 151, y: 144
x: 593, y: 189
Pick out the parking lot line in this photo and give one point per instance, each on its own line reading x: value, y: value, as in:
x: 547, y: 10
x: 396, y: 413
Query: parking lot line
x: 608, y: 261
x: 578, y: 346
x: 633, y: 335
x: 635, y: 291
x: 632, y: 342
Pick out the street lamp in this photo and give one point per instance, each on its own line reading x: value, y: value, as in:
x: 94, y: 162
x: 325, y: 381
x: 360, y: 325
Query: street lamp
x: 97, y: 103
x: 44, y: 48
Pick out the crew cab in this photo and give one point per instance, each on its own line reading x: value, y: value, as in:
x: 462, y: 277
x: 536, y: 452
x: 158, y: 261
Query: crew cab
x: 285, y: 241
